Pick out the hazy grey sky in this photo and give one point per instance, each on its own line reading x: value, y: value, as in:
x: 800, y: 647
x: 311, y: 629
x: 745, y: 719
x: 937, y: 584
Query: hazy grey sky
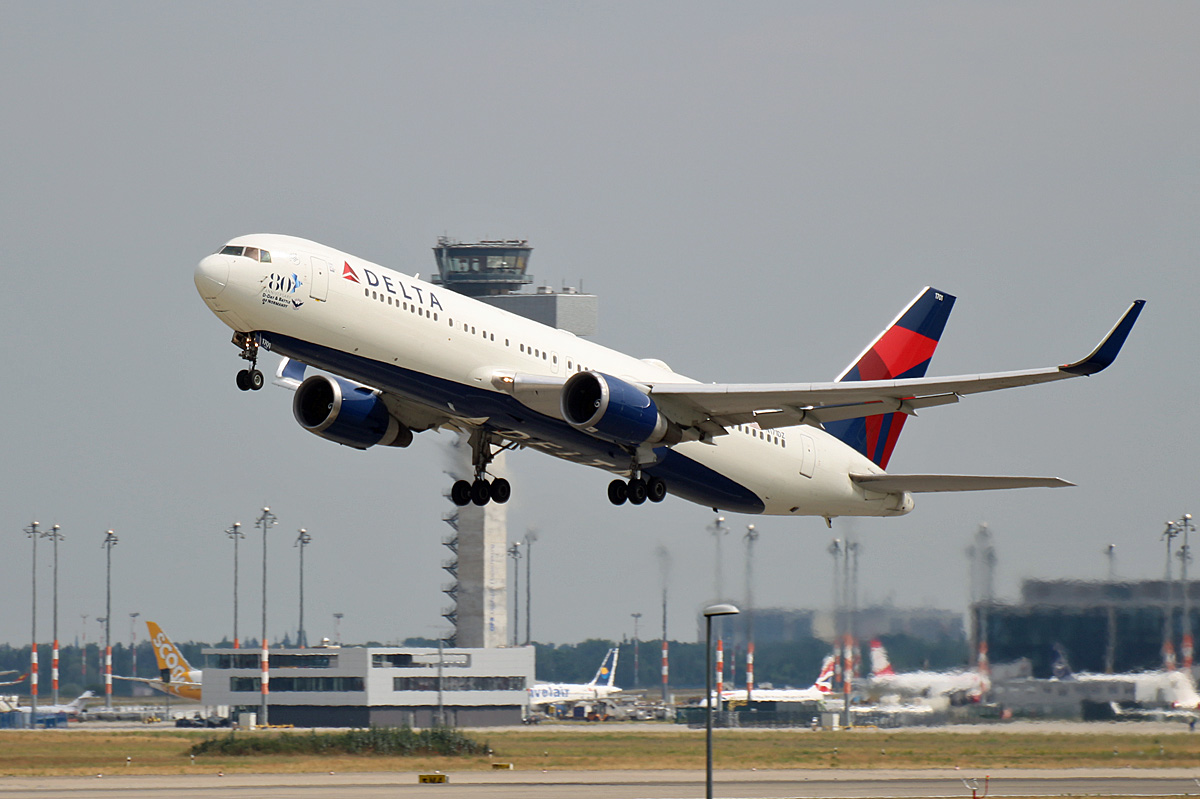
x: 753, y: 189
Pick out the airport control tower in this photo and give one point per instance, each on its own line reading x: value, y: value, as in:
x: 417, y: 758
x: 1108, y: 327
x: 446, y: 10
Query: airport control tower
x: 493, y: 272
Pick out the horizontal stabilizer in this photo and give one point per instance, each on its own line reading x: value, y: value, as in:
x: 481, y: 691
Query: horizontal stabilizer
x: 928, y: 483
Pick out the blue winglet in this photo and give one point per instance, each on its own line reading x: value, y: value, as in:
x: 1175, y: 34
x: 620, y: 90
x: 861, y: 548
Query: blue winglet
x: 1106, y: 351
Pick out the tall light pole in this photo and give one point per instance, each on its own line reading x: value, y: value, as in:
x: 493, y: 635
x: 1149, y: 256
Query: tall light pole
x: 1110, y: 646
x: 302, y: 540
x: 514, y: 552
x: 55, y: 536
x: 337, y: 627
x: 235, y: 532
x: 636, y: 660
x: 33, y: 533
x: 530, y: 537
x: 83, y: 652
x: 664, y: 569
x: 709, y: 612
x: 1185, y: 555
x: 110, y: 541
x: 133, y: 617
x: 835, y: 549
x: 751, y: 537
x: 718, y: 530
x: 266, y: 521
x: 1168, y: 646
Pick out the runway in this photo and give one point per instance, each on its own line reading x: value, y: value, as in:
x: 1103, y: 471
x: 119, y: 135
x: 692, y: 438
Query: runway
x: 767, y: 784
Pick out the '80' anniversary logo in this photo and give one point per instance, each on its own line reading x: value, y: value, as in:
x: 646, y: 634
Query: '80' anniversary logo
x: 280, y: 290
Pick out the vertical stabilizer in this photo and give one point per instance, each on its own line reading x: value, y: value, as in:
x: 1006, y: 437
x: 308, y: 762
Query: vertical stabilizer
x: 902, y: 350
x: 170, y: 660
x: 880, y: 665
x: 608, y: 669
x: 824, y: 682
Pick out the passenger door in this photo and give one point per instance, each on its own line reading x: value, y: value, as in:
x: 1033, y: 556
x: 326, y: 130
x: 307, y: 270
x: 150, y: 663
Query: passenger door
x: 318, y: 287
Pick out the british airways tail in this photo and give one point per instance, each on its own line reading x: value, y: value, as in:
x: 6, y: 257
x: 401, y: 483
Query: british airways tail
x: 902, y: 350
x: 608, y: 669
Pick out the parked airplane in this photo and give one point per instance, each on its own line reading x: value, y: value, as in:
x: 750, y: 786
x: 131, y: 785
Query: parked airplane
x: 22, y: 678
x: 568, y: 693
x: 967, y: 684
x: 72, y: 709
x: 407, y: 356
x: 1172, y: 688
x: 178, y: 677
x: 818, y: 691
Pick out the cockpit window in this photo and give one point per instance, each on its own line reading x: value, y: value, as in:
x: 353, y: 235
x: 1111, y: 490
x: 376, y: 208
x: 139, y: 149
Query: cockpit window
x: 264, y: 256
x: 252, y: 253
x: 232, y: 250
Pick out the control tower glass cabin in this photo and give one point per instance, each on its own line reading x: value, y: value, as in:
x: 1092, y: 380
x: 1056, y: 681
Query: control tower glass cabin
x: 484, y: 268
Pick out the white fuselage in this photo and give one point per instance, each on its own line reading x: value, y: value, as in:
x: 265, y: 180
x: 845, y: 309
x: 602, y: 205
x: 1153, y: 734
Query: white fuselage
x: 444, y: 351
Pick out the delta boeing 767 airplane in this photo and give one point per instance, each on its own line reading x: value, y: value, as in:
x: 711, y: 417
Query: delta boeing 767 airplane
x: 401, y: 356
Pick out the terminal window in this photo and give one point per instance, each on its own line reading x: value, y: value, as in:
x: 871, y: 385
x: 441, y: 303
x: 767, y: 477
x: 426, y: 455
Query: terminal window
x: 430, y: 683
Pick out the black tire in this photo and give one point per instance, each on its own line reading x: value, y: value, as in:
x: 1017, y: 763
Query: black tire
x: 480, y: 492
x: 637, y: 492
x: 256, y: 379
x: 243, y: 380
x: 656, y: 489
x: 501, y: 490
x: 618, y: 492
x: 460, y: 493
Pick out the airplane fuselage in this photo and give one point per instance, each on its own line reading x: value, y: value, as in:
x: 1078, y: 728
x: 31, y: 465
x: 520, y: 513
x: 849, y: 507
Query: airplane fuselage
x: 449, y: 355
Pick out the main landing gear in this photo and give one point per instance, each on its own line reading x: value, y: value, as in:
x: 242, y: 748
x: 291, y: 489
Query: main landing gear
x: 248, y: 379
x: 637, y: 490
x: 481, y: 491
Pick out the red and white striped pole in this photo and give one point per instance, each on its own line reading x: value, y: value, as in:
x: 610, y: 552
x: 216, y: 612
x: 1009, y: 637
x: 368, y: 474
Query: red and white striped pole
x: 33, y: 675
x: 1187, y: 650
x: 266, y: 682
x: 54, y: 668
x: 665, y: 670
x: 108, y: 676
x: 720, y: 670
x: 749, y: 671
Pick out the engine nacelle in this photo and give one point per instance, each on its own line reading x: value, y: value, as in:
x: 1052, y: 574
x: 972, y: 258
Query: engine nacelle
x: 347, y: 413
x: 615, y: 410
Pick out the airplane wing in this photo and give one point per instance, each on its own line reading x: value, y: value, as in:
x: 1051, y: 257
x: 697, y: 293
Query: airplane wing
x: 157, y: 683
x: 928, y: 483
x: 715, y: 406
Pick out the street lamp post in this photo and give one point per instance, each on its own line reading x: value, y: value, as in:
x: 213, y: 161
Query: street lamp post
x: 110, y: 541
x: 265, y: 521
x: 302, y: 540
x: 235, y: 532
x: 32, y: 532
x: 709, y: 612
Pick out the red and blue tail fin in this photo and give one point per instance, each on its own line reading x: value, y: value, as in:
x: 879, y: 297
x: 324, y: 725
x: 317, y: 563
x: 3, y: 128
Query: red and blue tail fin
x: 902, y: 350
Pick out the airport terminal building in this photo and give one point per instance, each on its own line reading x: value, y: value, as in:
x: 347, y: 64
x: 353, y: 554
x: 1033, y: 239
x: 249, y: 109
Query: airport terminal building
x: 382, y: 686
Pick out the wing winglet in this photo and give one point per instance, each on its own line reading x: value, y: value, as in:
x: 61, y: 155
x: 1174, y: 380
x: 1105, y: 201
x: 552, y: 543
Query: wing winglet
x: 1106, y: 351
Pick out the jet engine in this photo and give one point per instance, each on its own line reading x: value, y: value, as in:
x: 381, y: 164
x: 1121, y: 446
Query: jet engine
x: 347, y: 413
x: 615, y: 410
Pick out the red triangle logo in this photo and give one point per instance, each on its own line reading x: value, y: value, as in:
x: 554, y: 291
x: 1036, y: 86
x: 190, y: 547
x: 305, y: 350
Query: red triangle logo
x: 348, y: 273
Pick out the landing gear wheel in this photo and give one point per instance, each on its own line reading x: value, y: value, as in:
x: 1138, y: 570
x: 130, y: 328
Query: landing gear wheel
x: 243, y: 380
x: 637, y: 491
x: 480, y: 492
x: 256, y: 380
x: 656, y: 489
x: 460, y: 493
x: 618, y: 492
x: 500, y: 490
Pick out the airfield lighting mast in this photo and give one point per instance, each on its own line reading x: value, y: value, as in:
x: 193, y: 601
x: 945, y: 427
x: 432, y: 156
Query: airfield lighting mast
x: 637, y: 617
x: 110, y: 541
x: 33, y: 534
x: 1185, y: 555
x: 1110, y: 647
x: 718, y: 530
x: 1168, y: 646
x: 302, y: 540
x: 235, y: 532
x: 133, y: 617
x: 514, y: 552
x: 751, y: 537
x: 530, y: 537
x: 266, y: 521
x: 55, y: 536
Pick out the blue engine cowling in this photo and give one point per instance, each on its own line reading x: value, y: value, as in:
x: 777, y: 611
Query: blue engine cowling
x: 349, y: 414
x: 615, y: 410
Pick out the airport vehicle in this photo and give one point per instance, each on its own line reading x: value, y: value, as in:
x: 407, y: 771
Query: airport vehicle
x: 563, y: 693
x: 178, y: 677
x: 404, y: 356
x: 818, y: 691
x: 71, y: 709
x: 965, y: 685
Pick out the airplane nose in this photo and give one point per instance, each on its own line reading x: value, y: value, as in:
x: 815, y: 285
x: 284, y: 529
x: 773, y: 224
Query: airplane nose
x: 212, y: 273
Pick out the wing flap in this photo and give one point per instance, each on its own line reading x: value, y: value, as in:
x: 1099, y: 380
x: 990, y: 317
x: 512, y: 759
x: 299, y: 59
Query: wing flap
x: 930, y: 483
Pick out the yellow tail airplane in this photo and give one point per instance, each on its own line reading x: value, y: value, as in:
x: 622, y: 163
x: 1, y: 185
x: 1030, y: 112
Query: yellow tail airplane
x: 178, y: 677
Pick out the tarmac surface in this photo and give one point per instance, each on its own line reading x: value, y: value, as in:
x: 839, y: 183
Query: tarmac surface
x: 766, y: 784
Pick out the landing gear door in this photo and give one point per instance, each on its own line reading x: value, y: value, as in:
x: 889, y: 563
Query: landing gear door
x: 318, y: 287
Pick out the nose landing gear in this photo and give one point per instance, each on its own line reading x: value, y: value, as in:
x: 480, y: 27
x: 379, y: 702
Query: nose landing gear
x: 248, y: 379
